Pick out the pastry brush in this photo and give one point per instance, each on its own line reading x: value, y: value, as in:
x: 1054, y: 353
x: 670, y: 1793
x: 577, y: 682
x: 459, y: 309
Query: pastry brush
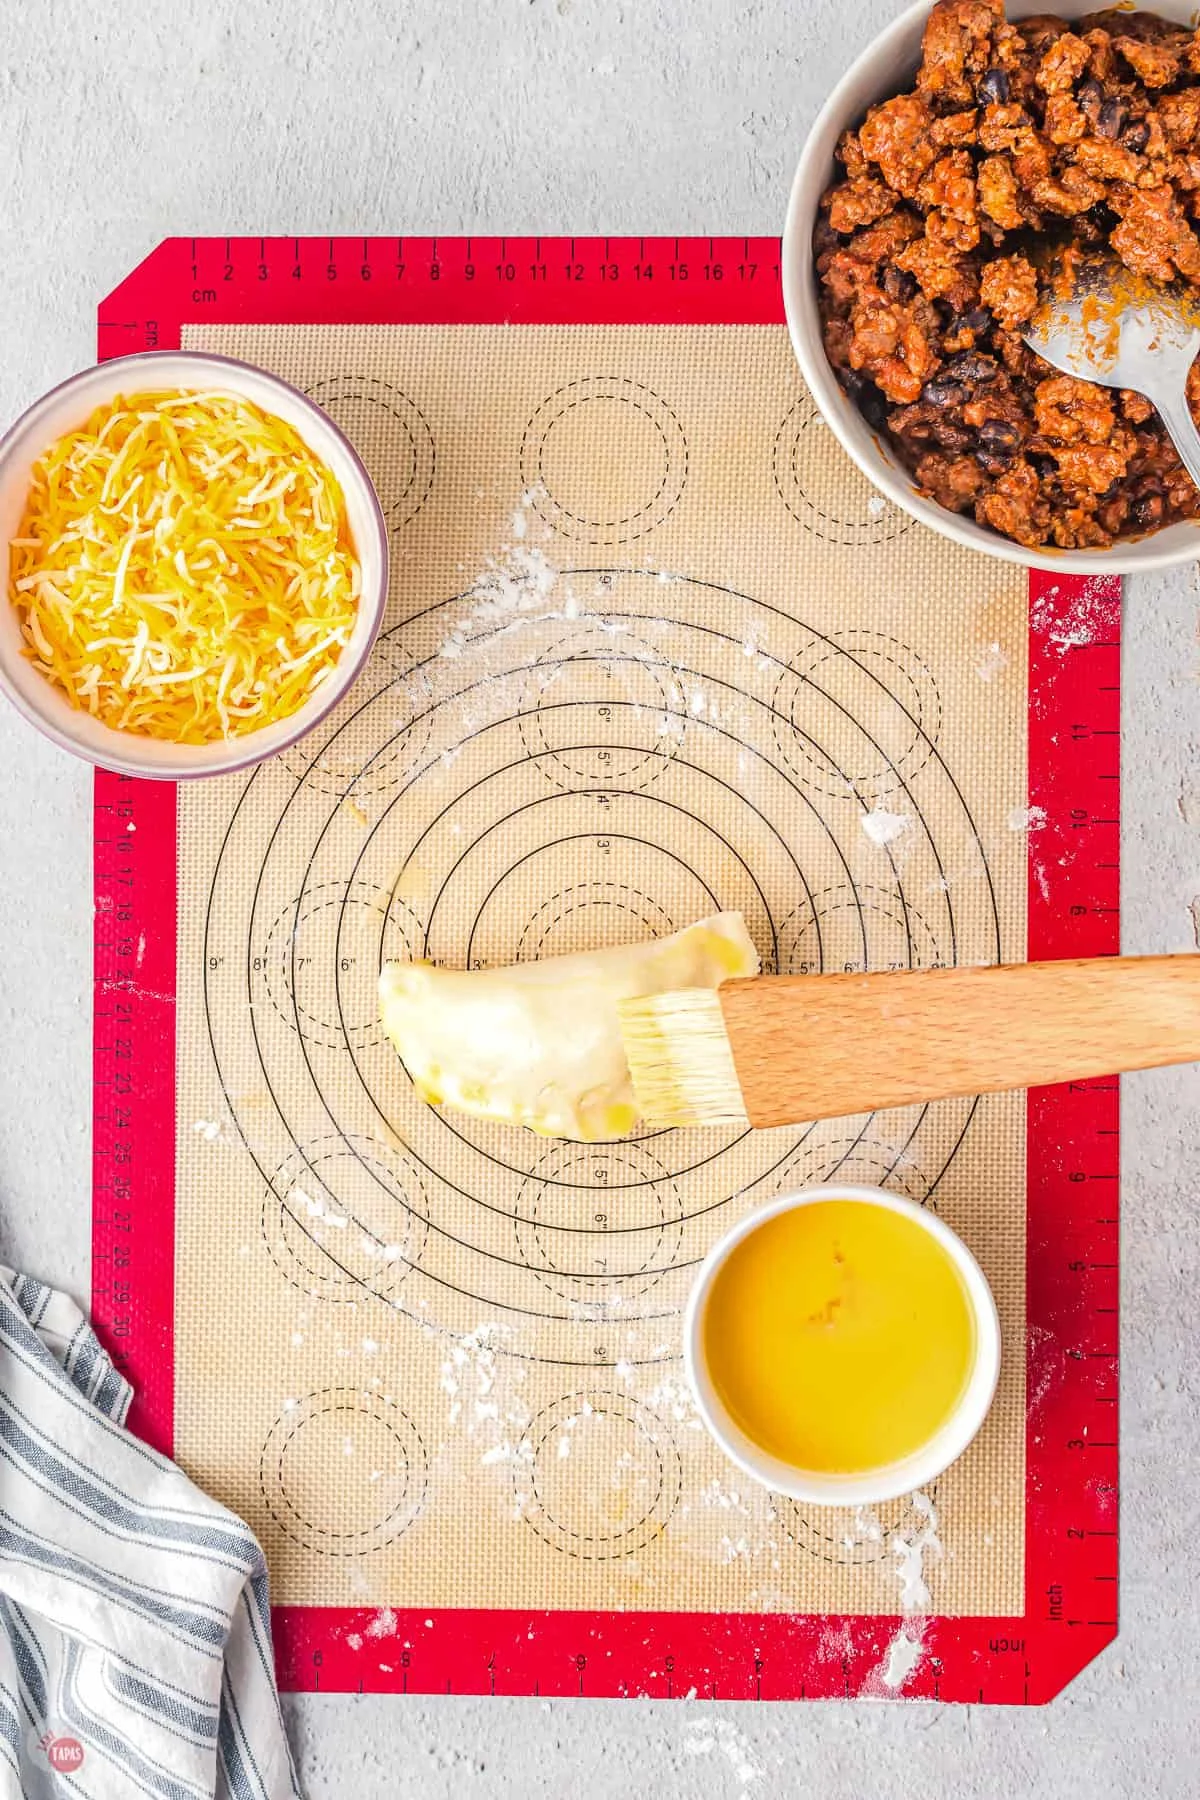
x: 785, y: 1049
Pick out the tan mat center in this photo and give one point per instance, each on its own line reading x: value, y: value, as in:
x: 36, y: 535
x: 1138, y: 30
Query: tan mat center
x: 654, y: 649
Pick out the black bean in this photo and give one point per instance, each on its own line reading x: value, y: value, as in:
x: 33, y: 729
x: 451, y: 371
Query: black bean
x: 1093, y: 226
x: 941, y: 392
x: 1113, y: 118
x: 898, y: 284
x: 972, y: 366
x: 951, y: 437
x: 976, y: 321
x: 999, y: 435
x: 991, y: 464
x: 1090, y: 97
x: 826, y: 240
x: 867, y: 397
x: 1148, y: 510
x: 993, y: 87
x: 1136, y: 137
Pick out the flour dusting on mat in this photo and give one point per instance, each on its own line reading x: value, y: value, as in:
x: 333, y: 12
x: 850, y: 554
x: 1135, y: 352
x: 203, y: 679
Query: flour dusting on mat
x: 993, y: 660
x: 910, y: 1547
x: 910, y: 1550
x: 883, y: 827
x: 516, y: 583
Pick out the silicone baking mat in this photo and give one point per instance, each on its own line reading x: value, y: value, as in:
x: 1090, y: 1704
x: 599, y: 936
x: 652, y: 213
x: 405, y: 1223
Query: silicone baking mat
x: 653, y: 649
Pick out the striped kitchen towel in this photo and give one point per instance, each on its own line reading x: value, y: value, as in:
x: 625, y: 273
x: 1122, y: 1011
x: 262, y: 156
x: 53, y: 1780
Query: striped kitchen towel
x: 135, y: 1635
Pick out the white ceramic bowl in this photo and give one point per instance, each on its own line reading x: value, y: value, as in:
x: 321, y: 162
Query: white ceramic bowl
x: 68, y: 406
x: 871, y: 1486
x: 884, y: 69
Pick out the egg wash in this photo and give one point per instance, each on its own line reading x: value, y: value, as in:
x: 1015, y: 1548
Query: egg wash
x: 839, y: 1336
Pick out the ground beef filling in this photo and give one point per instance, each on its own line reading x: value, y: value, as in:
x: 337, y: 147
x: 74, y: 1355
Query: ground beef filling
x: 1014, y: 137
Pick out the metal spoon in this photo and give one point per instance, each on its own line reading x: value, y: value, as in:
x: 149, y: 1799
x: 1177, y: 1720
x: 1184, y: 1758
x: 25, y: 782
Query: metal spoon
x: 1108, y: 325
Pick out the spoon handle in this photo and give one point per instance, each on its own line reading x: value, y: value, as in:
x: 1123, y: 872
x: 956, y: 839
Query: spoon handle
x: 1176, y: 415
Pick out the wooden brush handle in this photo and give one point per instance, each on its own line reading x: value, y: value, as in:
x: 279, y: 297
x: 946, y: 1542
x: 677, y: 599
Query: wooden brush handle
x: 817, y: 1047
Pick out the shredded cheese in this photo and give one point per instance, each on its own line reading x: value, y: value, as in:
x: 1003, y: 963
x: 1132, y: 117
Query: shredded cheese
x: 183, y: 568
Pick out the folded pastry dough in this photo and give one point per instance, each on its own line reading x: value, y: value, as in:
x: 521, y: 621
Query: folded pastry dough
x: 539, y: 1044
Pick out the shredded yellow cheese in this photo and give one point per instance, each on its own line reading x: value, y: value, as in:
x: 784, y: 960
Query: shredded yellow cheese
x: 184, y: 569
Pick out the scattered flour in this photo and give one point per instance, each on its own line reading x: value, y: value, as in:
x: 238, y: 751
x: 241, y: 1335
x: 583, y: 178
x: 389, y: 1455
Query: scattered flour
x: 883, y: 827
x: 317, y: 1207
x: 904, y: 1656
x: 516, y: 583
x: 673, y: 1398
x: 729, y: 1499
x: 907, y: 1649
x: 483, y: 1382
x: 1027, y: 818
x: 708, y: 1735
x: 910, y: 1550
x: 867, y: 1529
x: 876, y: 506
x: 991, y: 662
x: 381, y: 1252
x: 469, y: 1371
x: 1089, y: 614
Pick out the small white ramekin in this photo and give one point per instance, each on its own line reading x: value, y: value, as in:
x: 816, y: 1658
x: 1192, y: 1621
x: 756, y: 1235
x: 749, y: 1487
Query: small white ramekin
x: 885, y: 68
x: 864, y: 1487
x: 68, y: 406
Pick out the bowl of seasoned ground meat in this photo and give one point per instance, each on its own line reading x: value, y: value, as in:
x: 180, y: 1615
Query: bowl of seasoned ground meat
x: 968, y: 151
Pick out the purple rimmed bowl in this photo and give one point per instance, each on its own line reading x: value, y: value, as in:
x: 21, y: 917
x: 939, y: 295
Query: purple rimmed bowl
x: 67, y: 407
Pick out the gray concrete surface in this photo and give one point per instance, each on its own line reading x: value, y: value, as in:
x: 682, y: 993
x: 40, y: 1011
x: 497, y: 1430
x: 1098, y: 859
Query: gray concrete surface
x: 119, y: 125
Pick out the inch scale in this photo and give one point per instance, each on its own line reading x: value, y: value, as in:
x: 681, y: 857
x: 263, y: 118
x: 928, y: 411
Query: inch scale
x: 133, y: 1079
x: 1073, y: 1156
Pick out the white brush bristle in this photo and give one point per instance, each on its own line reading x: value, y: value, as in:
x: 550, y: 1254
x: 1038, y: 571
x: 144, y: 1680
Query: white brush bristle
x: 679, y: 1059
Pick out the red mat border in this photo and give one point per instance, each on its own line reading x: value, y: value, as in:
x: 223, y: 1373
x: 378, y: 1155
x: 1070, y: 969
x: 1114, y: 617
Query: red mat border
x: 1073, y: 1160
